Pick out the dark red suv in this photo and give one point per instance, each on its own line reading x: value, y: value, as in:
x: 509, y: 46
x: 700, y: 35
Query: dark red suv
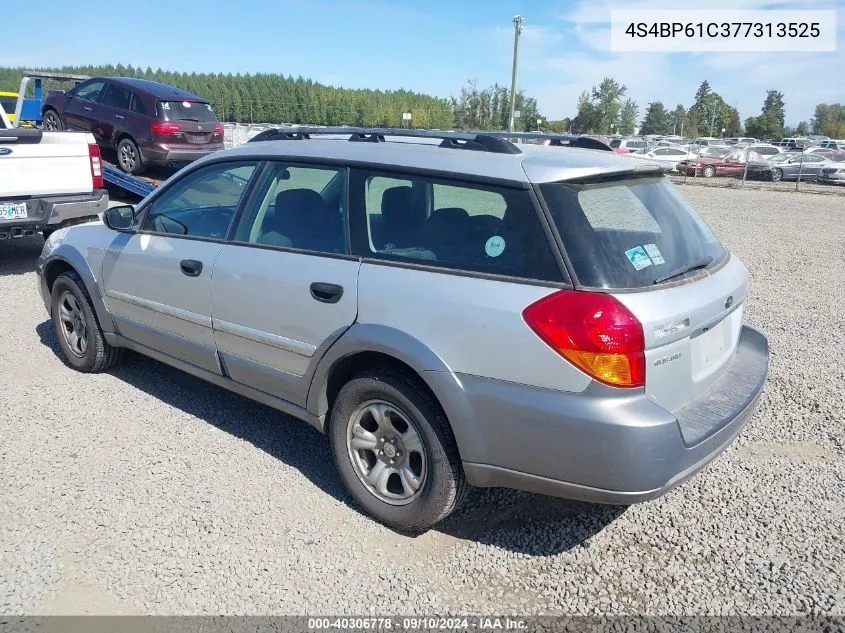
x: 146, y: 122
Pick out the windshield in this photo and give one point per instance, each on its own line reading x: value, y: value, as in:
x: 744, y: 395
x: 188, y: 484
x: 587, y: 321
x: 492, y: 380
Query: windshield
x: 186, y: 111
x: 628, y: 232
x: 715, y: 152
x: 779, y: 158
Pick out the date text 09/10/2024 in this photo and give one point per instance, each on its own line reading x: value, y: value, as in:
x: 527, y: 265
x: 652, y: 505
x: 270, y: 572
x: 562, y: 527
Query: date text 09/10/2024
x: 417, y: 624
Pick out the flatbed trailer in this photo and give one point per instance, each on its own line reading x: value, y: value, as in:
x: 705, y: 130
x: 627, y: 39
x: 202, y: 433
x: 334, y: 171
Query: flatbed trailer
x: 136, y: 185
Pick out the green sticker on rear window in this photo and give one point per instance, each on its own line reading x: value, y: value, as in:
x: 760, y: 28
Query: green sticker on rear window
x: 638, y: 258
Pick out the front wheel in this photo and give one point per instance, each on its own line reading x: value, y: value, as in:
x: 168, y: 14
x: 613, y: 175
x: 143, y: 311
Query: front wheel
x: 709, y: 171
x: 128, y: 157
x: 394, y: 450
x: 79, y: 334
x: 777, y: 175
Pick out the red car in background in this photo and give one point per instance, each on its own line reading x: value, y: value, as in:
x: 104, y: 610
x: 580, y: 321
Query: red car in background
x: 732, y: 163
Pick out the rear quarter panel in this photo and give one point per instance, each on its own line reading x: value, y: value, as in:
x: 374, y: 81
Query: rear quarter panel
x: 473, y: 325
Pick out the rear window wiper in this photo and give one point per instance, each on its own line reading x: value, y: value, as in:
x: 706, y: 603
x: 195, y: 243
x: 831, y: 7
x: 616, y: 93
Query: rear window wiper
x: 701, y: 262
x: 188, y: 119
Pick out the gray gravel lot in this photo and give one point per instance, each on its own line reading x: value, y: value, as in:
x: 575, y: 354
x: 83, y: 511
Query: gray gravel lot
x: 147, y: 491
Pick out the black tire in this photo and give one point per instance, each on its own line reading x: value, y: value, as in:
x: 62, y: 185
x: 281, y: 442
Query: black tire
x: 51, y: 121
x: 129, y: 158
x: 776, y: 175
x: 98, y: 355
x: 47, y: 233
x: 709, y: 171
x: 444, y: 486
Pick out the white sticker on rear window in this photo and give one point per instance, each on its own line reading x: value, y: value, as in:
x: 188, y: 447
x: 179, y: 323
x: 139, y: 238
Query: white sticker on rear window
x: 186, y: 104
x: 638, y: 257
x: 654, y: 253
x: 495, y: 246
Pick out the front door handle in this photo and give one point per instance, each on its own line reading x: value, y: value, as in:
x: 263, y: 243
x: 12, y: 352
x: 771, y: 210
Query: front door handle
x: 327, y: 293
x: 87, y: 109
x: 191, y: 267
x: 119, y: 116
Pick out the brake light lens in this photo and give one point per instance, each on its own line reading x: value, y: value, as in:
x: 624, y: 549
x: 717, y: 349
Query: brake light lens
x: 165, y: 129
x: 218, y: 129
x: 594, y: 332
x: 96, y: 166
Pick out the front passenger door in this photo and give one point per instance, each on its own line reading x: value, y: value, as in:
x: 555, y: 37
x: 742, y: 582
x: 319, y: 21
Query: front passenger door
x: 79, y: 112
x: 157, y: 280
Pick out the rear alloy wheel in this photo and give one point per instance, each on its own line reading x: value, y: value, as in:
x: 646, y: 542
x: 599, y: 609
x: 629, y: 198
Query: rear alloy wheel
x: 777, y: 175
x: 52, y: 122
x: 128, y: 157
x: 709, y: 171
x: 395, y: 451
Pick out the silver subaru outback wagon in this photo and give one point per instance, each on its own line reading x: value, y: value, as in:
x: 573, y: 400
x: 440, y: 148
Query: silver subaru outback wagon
x: 450, y: 309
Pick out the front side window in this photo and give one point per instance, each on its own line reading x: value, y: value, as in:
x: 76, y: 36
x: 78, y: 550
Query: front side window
x: 202, y: 204
x: 463, y: 226
x: 297, y: 206
x: 629, y: 232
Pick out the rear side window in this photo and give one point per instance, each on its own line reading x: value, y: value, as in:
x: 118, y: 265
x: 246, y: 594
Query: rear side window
x: 186, y: 111
x: 137, y: 106
x: 116, y: 97
x: 629, y: 232
x: 462, y: 226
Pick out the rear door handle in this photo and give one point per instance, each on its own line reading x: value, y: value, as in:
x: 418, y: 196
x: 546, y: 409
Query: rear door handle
x: 87, y: 109
x: 191, y: 267
x: 119, y: 116
x: 327, y: 293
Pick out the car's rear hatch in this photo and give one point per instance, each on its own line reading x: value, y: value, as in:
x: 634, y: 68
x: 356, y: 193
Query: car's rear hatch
x: 190, y: 124
x: 635, y: 237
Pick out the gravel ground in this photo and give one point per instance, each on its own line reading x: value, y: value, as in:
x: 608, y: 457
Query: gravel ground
x: 146, y: 491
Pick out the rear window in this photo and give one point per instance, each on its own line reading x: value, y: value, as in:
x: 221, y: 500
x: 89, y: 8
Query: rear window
x: 185, y: 111
x: 629, y: 233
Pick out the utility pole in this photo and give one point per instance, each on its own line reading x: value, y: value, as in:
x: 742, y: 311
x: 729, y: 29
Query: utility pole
x: 518, y: 23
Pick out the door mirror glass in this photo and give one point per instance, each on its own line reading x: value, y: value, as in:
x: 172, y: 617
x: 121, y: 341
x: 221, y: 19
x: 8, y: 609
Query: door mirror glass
x: 120, y: 218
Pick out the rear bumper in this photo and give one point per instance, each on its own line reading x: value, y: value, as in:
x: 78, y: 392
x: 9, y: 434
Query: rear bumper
x: 165, y: 155
x: 603, y: 445
x: 55, y: 211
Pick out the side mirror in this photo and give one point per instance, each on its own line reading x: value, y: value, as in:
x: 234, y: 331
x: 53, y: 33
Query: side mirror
x: 120, y: 218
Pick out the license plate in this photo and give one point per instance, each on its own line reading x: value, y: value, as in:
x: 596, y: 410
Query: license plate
x: 12, y: 210
x: 197, y: 138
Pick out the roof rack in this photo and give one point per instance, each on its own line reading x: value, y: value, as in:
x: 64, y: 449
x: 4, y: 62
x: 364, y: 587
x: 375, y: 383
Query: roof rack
x: 476, y: 141
x: 560, y: 140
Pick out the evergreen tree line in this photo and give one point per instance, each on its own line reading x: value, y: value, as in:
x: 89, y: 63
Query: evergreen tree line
x: 603, y: 111
x: 275, y: 98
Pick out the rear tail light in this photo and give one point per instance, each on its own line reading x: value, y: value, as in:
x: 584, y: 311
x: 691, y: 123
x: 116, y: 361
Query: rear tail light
x: 594, y: 332
x: 165, y: 129
x: 96, y: 166
x: 218, y: 129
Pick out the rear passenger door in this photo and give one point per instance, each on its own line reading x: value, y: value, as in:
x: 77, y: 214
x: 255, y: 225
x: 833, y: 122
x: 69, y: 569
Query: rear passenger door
x: 286, y: 286
x: 113, y: 110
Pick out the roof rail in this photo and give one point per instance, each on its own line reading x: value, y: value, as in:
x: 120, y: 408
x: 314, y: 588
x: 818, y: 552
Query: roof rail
x: 560, y: 140
x: 477, y: 141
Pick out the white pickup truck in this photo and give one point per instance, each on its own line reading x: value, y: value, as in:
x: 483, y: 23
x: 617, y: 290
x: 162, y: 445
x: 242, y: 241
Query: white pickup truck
x: 48, y: 180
